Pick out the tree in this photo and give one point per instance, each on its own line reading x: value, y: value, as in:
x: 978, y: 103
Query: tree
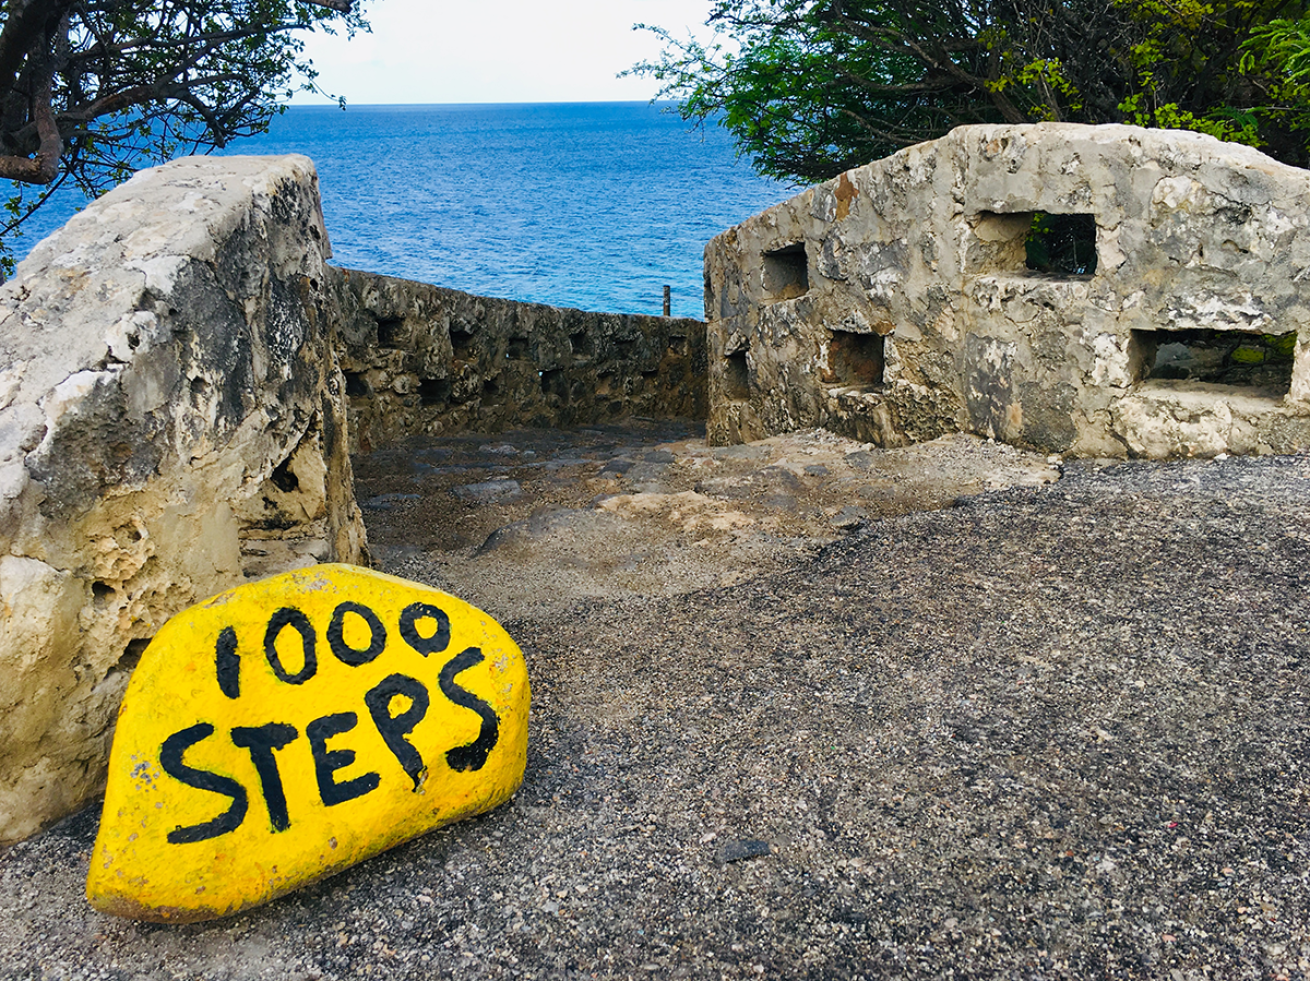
x: 810, y: 88
x: 1281, y: 45
x: 1221, y: 68
x: 90, y: 90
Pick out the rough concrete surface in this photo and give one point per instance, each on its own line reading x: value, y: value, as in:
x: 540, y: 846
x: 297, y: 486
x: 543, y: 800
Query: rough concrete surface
x: 901, y: 300
x: 422, y: 359
x: 530, y: 521
x: 172, y: 421
x: 1054, y: 731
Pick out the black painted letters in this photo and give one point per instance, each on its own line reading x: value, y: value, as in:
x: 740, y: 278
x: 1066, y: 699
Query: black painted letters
x: 337, y: 635
x: 394, y: 728
x: 170, y: 758
x: 394, y: 720
x: 261, y: 742
x: 440, y: 638
x: 226, y: 663
x: 474, y: 755
x: 328, y: 761
x: 289, y: 616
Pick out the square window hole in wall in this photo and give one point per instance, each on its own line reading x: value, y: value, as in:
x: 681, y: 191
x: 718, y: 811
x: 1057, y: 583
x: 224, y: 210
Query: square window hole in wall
x: 391, y: 333
x: 855, y: 360
x: 1027, y: 242
x: 1061, y: 245
x: 554, y: 382
x: 786, y: 272
x: 461, y: 343
x: 581, y: 345
x: 1218, y: 357
x: 357, y: 385
x: 434, y: 391
x: 736, y: 376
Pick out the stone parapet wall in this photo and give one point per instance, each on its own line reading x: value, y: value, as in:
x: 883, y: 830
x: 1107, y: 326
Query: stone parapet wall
x: 897, y: 303
x: 423, y: 359
x: 172, y: 421
x: 175, y: 419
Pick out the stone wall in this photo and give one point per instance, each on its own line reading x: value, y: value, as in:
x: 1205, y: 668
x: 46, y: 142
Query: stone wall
x: 897, y: 303
x: 422, y: 359
x: 174, y: 419
x: 172, y: 422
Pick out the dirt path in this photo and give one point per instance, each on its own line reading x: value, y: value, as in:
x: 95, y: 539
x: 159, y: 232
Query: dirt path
x: 646, y: 509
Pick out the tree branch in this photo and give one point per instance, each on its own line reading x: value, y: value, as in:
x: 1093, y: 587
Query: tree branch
x: 23, y: 32
x: 102, y: 49
x: 44, y: 167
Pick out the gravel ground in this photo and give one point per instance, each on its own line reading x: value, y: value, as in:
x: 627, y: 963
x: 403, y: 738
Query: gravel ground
x: 1048, y: 732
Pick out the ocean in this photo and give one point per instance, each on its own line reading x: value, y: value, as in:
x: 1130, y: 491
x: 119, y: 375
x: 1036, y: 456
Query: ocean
x: 590, y: 205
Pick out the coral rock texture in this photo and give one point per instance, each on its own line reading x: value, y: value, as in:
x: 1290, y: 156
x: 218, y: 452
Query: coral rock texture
x: 172, y: 421
x: 901, y: 301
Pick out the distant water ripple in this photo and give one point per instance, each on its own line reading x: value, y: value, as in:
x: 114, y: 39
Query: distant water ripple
x: 593, y: 205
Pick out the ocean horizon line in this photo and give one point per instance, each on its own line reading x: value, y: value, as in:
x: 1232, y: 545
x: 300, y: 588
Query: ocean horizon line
x: 475, y: 105
x: 592, y: 206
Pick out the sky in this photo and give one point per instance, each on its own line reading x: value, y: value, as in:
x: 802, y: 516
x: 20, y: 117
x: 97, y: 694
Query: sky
x: 452, y: 51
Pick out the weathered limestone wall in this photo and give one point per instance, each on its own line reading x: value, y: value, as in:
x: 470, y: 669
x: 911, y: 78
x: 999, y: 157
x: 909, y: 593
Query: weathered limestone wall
x: 171, y: 421
x: 894, y: 303
x: 422, y: 359
x: 174, y: 419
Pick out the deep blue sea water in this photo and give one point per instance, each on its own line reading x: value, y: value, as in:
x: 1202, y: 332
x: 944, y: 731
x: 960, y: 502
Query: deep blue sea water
x: 593, y: 205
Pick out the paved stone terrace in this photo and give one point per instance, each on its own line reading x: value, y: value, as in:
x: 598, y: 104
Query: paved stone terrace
x: 1049, y: 732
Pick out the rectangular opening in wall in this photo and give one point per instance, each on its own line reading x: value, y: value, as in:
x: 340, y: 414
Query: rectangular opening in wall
x: 786, y: 273
x: 357, y: 385
x: 434, y: 391
x: 1061, y: 245
x: 391, y: 333
x: 855, y: 360
x: 461, y: 343
x: 736, y: 376
x: 1219, y: 357
x: 581, y: 345
x: 554, y: 382
x: 1034, y: 242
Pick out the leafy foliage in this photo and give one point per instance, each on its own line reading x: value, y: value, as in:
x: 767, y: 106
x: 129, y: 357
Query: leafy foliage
x: 90, y: 90
x: 1062, y: 244
x: 1214, y: 67
x: 1281, y: 45
x: 812, y: 87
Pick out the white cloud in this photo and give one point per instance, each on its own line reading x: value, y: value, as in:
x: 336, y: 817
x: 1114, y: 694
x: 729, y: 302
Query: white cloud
x: 424, y: 51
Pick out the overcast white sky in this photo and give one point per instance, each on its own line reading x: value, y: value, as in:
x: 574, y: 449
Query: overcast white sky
x: 443, y: 51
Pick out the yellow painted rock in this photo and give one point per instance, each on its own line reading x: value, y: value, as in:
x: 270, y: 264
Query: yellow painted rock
x: 289, y: 728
